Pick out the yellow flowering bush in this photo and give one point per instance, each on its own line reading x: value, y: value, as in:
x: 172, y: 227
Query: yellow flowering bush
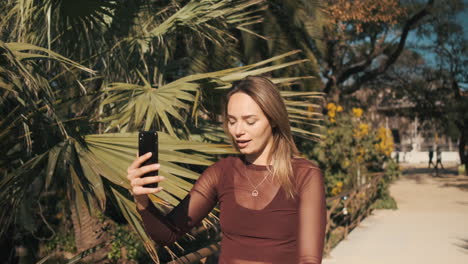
x: 350, y: 148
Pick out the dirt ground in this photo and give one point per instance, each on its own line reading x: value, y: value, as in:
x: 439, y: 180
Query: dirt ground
x: 429, y: 226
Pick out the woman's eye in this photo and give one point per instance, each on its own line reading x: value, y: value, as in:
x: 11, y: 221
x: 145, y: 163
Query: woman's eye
x: 250, y: 123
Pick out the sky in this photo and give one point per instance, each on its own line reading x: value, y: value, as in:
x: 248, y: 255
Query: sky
x: 461, y: 18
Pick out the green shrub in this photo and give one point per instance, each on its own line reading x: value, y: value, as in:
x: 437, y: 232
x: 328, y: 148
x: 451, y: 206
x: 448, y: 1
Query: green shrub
x: 351, y: 149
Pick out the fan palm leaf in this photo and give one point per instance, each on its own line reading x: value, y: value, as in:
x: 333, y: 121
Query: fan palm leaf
x: 134, y: 103
x: 50, y: 103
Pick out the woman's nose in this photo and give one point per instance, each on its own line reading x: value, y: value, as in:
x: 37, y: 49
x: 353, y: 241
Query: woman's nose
x: 239, y: 129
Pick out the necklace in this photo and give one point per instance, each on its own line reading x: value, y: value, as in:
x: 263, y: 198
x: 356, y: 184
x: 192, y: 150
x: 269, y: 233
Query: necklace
x: 255, y: 191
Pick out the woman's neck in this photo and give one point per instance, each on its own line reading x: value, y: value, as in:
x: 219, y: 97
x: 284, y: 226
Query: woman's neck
x: 259, y: 158
x: 255, y: 160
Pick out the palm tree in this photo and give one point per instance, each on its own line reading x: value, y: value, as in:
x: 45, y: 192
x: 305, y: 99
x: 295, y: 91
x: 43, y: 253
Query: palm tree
x: 68, y: 122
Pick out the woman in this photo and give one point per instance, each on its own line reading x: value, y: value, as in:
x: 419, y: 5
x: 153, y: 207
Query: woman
x: 272, y: 201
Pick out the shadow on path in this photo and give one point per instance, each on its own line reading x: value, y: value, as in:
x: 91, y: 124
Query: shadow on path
x: 463, y: 244
x: 461, y: 182
x: 442, y: 172
x: 447, y: 177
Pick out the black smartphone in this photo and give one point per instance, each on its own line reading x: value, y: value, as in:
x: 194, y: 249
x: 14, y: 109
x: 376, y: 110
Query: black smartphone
x: 148, y: 142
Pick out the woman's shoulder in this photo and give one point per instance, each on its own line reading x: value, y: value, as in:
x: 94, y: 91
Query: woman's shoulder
x: 301, y: 162
x: 305, y: 172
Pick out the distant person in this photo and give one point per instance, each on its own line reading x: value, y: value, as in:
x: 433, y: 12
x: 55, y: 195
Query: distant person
x: 431, y: 155
x: 397, y: 157
x: 439, y: 159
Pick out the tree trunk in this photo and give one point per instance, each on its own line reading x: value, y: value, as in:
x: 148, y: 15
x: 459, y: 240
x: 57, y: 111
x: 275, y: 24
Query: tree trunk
x: 89, y: 232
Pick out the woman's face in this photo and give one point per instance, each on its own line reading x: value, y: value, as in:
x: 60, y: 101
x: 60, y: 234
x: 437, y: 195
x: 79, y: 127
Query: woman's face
x: 248, y: 125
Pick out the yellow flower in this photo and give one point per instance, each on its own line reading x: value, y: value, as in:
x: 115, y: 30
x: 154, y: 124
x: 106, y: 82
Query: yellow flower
x: 331, y: 107
x: 338, y: 188
x: 385, y: 145
x: 332, y: 110
x: 360, y: 152
x: 357, y: 112
x: 362, y: 130
x: 335, y: 191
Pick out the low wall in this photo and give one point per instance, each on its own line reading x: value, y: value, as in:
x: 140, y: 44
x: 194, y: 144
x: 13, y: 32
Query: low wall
x: 423, y: 157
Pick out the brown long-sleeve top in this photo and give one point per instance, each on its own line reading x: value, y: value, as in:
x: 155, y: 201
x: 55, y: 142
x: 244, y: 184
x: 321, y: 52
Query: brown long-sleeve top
x: 266, y: 229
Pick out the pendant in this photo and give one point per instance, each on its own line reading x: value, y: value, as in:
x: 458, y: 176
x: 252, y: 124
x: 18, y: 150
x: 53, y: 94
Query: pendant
x: 255, y: 193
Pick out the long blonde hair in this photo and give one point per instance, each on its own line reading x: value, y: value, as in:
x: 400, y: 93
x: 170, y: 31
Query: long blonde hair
x: 267, y: 96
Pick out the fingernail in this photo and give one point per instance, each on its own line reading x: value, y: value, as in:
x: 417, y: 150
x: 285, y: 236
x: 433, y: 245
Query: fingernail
x: 162, y: 177
x: 149, y: 154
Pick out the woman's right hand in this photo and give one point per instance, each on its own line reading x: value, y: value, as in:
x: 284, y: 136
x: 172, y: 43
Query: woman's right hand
x: 134, y: 173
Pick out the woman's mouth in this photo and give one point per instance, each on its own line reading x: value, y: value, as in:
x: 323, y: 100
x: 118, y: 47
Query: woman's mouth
x: 242, y: 143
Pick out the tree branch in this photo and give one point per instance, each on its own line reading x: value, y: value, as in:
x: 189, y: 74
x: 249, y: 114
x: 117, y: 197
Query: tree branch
x: 392, y: 57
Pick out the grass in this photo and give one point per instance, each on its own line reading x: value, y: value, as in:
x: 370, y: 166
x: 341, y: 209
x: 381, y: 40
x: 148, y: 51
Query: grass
x: 386, y: 202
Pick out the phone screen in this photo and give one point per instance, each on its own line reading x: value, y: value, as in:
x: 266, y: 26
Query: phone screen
x: 148, y: 142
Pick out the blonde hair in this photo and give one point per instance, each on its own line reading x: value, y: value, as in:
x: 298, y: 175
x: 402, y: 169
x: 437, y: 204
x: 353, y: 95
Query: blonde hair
x: 267, y: 96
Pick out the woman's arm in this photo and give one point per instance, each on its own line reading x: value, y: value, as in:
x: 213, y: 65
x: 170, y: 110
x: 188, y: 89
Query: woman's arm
x: 166, y: 229
x: 312, y: 217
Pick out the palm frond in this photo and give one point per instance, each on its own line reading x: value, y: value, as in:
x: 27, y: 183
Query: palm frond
x: 19, y: 51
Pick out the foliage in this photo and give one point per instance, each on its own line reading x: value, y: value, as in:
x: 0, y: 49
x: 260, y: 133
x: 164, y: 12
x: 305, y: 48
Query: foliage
x: 126, y: 245
x: 430, y: 80
x: 287, y: 25
x: 354, y: 16
x: 76, y: 86
x: 63, y: 241
x: 360, y: 40
x: 451, y: 67
x: 350, y: 148
x: 385, y: 202
x: 384, y: 199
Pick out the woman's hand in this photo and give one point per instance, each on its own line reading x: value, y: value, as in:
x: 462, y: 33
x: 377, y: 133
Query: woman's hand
x: 134, y: 173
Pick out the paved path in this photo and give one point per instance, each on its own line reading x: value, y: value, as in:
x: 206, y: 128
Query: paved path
x: 430, y: 225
